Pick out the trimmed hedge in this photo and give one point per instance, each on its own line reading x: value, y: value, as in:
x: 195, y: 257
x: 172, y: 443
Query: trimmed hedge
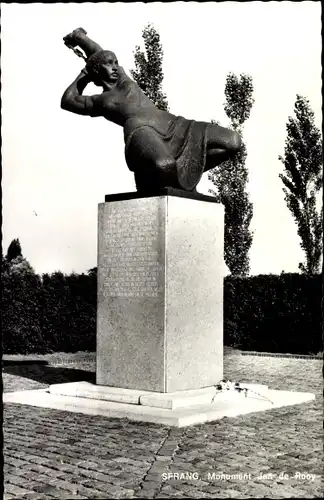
x: 54, y: 314
x: 269, y: 313
x: 69, y: 307
x: 21, y: 330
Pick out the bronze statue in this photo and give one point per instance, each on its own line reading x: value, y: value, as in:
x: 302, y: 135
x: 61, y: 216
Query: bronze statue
x: 163, y: 150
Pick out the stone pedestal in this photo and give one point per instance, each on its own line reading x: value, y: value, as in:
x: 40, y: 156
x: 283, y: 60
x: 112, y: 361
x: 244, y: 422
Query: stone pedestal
x: 160, y: 292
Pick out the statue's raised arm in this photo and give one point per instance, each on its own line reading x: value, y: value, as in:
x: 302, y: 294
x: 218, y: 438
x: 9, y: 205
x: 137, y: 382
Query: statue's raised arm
x: 162, y: 149
x: 79, y: 38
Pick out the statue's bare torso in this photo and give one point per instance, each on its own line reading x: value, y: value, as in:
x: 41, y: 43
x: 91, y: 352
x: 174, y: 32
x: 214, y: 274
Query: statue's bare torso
x: 126, y: 101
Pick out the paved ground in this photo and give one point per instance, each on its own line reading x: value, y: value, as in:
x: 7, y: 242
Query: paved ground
x: 53, y: 454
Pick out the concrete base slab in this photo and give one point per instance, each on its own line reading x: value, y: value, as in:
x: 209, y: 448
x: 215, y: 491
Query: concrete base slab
x: 101, y: 392
x: 169, y: 401
x: 229, y: 404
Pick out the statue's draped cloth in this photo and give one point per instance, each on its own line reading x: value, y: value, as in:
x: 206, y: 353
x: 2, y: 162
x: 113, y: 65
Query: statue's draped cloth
x: 187, y: 143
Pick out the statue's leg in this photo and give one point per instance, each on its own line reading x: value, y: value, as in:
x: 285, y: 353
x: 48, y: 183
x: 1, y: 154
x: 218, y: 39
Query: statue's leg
x: 222, y: 145
x: 150, y: 159
x: 215, y: 157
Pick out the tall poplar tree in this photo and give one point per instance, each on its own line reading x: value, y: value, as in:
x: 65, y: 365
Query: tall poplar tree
x: 148, y: 72
x: 231, y: 177
x: 302, y: 179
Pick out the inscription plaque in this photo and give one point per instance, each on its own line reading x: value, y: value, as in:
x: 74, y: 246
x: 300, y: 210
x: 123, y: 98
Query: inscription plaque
x: 131, y: 254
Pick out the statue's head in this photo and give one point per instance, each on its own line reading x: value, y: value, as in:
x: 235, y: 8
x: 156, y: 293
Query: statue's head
x: 103, y: 66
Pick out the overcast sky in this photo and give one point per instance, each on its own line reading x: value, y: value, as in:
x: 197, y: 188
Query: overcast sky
x: 60, y: 166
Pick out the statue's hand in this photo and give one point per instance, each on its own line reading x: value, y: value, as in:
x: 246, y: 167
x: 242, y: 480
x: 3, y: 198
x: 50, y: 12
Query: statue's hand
x: 96, y: 82
x: 72, y: 39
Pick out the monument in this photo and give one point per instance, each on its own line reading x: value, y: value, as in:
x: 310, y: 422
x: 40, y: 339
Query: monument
x: 160, y: 267
x: 159, y: 316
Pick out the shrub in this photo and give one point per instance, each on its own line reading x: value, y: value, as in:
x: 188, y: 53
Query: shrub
x: 69, y: 311
x: 274, y: 313
x: 57, y: 312
x: 49, y: 314
x: 20, y: 291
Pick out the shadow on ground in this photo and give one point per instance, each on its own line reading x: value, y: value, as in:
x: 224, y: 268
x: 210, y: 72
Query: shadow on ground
x: 8, y: 362
x: 42, y: 372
